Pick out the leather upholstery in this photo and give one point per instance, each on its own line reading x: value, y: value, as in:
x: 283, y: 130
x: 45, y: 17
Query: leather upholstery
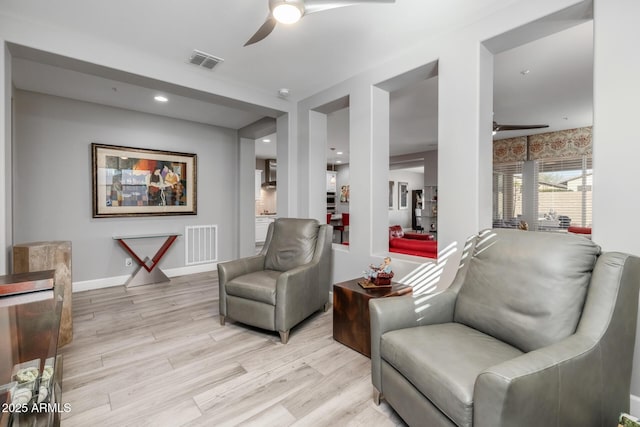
x: 574, y: 372
x: 288, y: 281
x: 444, y: 361
x: 293, y: 244
x: 532, y: 310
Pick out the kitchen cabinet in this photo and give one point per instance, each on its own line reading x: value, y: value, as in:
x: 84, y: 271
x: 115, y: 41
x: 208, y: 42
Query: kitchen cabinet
x: 262, y: 226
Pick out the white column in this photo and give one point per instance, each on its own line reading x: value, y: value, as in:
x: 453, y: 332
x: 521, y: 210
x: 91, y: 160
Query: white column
x: 287, y: 166
x: 464, y: 143
x: 247, y: 202
x: 361, y: 169
x: 378, y: 203
x: 317, y: 170
x: 530, y: 194
x: 616, y: 149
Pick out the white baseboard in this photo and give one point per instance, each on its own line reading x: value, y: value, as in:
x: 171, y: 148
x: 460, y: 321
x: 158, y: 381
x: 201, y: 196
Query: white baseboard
x: 108, y: 282
x: 192, y: 269
x: 634, y: 407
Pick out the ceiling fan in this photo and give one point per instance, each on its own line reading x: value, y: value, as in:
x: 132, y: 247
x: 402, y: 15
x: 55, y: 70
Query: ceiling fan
x: 498, y: 127
x: 290, y: 11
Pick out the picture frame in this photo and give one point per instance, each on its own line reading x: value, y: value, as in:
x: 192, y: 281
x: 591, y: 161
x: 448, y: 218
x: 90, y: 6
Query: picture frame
x: 130, y: 181
x: 344, y: 194
x: 403, y: 195
x: 391, y: 185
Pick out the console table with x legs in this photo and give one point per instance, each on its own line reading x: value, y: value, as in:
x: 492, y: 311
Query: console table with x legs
x: 147, y: 273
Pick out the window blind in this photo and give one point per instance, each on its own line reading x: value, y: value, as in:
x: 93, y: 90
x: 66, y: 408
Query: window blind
x: 507, y: 194
x: 564, y: 192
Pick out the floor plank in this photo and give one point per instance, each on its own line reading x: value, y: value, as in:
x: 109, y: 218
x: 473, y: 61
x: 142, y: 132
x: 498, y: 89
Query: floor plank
x: 157, y: 355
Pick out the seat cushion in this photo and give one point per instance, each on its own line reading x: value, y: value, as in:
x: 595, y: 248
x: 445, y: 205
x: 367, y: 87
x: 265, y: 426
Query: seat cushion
x: 258, y: 286
x: 443, y: 362
x: 526, y: 288
x: 292, y: 244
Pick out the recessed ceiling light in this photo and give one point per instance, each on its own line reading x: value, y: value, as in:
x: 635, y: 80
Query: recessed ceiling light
x: 338, y: 161
x: 525, y: 72
x: 161, y: 98
x: 283, y: 92
x: 266, y: 141
x: 339, y: 153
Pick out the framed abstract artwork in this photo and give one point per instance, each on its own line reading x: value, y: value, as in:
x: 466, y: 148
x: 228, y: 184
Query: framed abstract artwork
x: 131, y: 181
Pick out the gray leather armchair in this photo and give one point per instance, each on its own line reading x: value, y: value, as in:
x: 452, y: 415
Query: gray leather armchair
x: 289, y: 280
x: 537, y: 329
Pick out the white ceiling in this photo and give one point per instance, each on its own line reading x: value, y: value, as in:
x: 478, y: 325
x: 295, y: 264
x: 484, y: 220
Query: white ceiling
x: 322, y: 49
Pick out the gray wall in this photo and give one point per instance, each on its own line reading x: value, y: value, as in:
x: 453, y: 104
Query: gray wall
x: 52, y: 180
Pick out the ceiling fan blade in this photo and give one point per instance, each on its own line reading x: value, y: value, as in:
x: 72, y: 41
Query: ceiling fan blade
x: 263, y: 31
x: 519, y: 127
x: 311, y: 6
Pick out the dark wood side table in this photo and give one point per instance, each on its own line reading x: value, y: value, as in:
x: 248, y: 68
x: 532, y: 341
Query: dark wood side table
x: 351, y: 325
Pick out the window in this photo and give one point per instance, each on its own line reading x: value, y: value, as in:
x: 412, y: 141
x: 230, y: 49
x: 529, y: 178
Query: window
x: 562, y: 197
x: 543, y: 180
x: 507, y: 194
x: 564, y: 193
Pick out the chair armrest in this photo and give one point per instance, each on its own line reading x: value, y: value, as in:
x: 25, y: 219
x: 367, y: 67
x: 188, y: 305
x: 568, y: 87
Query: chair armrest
x: 389, y: 314
x: 229, y: 270
x: 297, y: 295
x: 555, y: 385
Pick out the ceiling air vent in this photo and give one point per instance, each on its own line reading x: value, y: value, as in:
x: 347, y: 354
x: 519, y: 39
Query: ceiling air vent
x: 204, y: 59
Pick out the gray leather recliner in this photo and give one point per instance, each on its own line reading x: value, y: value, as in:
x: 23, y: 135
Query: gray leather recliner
x: 537, y: 329
x: 288, y: 281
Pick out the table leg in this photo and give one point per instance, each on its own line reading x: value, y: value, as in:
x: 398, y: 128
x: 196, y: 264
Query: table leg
x: 147, y: 273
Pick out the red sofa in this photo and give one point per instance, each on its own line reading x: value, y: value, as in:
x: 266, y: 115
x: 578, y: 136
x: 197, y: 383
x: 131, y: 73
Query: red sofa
x: 583, y: 231
x: 416, y: 244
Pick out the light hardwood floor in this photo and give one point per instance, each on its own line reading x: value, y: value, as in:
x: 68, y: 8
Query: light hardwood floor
x: 156, y: 355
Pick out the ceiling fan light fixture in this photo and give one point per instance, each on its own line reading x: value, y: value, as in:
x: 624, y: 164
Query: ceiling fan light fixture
x: 288, y: 12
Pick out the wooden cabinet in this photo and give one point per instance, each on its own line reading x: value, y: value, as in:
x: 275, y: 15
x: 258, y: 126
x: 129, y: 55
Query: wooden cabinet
x: 53, y: 255
x: 351, y: 321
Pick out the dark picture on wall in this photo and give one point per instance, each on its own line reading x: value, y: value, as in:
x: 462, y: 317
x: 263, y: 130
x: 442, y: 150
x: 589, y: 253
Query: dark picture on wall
x: 131, y: 181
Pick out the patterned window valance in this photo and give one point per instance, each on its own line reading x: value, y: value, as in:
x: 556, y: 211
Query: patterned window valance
x: 510, y: 150
x: 568, y: 143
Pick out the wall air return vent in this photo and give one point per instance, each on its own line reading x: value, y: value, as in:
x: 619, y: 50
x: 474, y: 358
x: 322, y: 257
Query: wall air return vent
x: 205, y: 60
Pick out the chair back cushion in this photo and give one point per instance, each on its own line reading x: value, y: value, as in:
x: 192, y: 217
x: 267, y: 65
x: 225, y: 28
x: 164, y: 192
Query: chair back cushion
x: 526, y: 288
x: 292, y: 244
